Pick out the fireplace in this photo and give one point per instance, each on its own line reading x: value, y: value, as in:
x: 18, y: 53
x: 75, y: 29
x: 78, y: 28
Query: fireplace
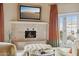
x: 30, y: 34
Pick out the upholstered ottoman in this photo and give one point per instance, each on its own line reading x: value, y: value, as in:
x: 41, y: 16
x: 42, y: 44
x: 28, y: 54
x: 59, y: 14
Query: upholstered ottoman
x: 36, y: 49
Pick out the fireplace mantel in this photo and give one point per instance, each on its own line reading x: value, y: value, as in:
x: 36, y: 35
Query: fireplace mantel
x: 29, y: 22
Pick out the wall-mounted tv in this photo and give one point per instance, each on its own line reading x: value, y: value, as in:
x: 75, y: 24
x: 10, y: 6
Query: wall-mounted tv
x: 30, y: 12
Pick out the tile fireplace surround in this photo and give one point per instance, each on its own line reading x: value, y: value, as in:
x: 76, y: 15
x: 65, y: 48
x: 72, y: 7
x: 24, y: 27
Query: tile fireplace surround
x: 18, y: 29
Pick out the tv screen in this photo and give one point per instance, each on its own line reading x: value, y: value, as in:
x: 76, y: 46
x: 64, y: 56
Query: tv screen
x: 30, y: 12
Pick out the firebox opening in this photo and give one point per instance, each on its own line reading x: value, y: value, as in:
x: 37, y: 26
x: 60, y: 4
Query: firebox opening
x: 30, y: 34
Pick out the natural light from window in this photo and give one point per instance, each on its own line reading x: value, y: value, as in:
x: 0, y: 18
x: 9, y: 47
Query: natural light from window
x: 68, y: 29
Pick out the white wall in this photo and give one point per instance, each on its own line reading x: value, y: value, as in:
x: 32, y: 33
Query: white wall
x: 68, y: 8
x: 10, y: 13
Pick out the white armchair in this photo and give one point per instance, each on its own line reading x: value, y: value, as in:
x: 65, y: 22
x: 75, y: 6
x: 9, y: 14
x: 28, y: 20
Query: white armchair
x: 75, y: 48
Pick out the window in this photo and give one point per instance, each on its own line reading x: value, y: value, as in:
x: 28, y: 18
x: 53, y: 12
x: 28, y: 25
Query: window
x: 68, y: 28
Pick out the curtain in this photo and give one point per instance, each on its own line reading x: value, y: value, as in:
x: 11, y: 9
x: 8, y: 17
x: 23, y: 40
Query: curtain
x: 53, y: 25
x: 1, y: 23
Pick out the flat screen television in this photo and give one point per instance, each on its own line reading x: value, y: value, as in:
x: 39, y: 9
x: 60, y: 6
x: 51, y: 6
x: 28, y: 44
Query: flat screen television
x: 30, y: 12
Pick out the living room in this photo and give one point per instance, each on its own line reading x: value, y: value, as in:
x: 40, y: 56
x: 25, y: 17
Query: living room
x: 22, y: 30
